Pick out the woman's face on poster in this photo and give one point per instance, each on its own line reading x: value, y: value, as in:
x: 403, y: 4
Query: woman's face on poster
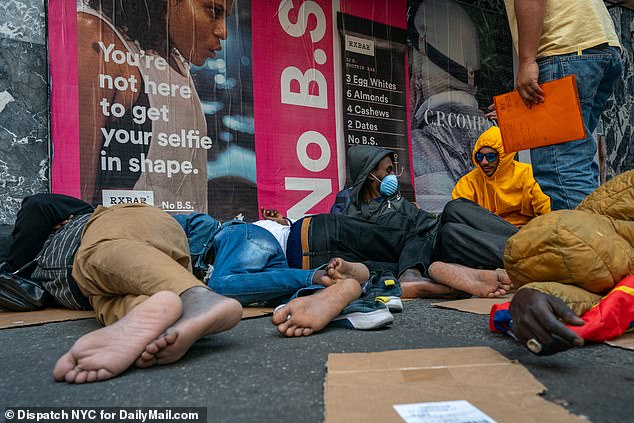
x: 197, y: 26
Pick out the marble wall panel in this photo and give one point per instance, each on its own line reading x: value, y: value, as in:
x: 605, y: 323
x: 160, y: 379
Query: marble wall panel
x: 23, y: 104
x: 23, y: 20
x: 618, y: 118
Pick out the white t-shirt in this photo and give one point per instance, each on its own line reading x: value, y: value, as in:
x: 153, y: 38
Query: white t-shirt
x: 280, y: 232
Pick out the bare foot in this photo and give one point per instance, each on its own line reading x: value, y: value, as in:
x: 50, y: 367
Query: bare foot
x: 303, y: 316
x: 412, y: 275
x: 204, y: 313
x: 338, y: 269
x: 109, y: 351
x: 415, y: 285
x: 481, y: 283
x: 504, y: 278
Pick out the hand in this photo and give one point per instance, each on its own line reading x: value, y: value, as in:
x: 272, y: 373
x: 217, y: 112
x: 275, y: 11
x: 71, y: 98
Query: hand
x: 274, y: 215
x: 543, y: 317
x: 63, y: 222
x: 527, y: 84
x: 493, y: 114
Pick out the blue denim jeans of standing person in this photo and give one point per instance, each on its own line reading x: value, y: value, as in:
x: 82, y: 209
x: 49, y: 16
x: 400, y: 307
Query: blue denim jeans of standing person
x: 567, y: 172
x: 250, y: 266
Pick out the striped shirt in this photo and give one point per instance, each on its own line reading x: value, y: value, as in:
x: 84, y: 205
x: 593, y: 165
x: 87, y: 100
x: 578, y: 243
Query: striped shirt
x: 55, y: 264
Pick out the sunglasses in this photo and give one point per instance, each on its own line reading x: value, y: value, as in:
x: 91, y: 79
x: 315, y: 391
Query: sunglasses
x: 491, y: 157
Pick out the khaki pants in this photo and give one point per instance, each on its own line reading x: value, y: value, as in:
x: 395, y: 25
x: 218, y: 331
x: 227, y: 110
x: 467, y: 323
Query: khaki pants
x: 127, y: 253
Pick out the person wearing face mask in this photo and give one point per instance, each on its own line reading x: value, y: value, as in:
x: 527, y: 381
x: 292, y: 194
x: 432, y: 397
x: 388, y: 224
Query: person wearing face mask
x: 374, y: 195
x: 501, y: 184
x: 465, y: 234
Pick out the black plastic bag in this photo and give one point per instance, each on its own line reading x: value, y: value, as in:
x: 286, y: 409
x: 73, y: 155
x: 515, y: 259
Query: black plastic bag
x: 21, y: 294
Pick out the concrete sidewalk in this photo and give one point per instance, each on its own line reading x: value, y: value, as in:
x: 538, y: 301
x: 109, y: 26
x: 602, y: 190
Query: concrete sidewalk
x: 250, y: 374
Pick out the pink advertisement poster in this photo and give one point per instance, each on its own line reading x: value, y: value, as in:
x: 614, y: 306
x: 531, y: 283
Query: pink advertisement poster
x: 224, y: 108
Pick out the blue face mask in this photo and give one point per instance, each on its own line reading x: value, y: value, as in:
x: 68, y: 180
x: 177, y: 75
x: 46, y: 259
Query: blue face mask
x: 389, y: 185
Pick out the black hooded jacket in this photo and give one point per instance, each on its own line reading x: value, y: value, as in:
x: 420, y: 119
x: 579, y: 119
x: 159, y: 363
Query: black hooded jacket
x: 395, y: 211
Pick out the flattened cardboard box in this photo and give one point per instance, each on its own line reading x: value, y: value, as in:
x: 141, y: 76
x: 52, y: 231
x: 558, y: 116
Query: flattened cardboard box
x: 10, y: 319
x: 474, y: 305
x: 363, y: 387
x: 624, y: 341
x: 49, y: 315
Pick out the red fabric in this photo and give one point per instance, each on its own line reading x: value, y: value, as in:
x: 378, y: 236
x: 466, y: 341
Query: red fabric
x: 612, y: 316
x: 492, y: 316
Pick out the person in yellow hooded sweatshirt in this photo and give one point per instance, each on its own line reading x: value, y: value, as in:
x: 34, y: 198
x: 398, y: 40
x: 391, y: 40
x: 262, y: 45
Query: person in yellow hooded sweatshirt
x: 501, y: 184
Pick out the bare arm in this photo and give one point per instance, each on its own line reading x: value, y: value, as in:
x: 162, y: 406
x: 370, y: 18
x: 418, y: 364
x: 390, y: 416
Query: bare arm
x: 530, y: 20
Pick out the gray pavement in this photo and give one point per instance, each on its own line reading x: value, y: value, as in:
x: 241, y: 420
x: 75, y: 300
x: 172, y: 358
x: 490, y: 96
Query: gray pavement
x: 250, y: 374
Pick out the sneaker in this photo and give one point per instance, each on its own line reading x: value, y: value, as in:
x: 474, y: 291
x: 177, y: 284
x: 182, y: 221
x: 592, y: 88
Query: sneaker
x: 384, y: 287
x: 364, y: 313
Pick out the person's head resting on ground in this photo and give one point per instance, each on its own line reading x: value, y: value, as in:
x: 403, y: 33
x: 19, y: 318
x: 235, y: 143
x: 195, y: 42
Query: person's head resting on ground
x: 193, y: 27
x: 372, y: 173
x: 489, y: 155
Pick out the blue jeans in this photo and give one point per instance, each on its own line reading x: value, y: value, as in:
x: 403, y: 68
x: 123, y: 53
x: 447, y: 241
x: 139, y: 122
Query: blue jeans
x: 567, y: 172
x: 250, y: 266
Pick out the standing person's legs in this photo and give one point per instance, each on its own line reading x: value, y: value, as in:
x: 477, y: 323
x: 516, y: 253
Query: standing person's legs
x: 35, y: 221
x: 250, y: 266
x: 611, y: 77
x: 567, y: 172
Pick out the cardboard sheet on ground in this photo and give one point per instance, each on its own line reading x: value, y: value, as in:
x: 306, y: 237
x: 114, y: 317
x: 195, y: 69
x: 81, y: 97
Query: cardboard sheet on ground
x: 474, y: 305
x: 624, y: 341
x: 523, y: 128
x: 251, y: 312
x: 16, y: 319
x: 50, y: 315
x: 364, y: 387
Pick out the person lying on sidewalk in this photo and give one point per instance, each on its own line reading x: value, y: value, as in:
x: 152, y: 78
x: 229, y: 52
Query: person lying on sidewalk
x: 120, y: 270
x: 244, y: 261
x: 259, y: 274
x: 501, y: 184
x: 570, y: 264
x: 312, y: 241
x: 134, y: 267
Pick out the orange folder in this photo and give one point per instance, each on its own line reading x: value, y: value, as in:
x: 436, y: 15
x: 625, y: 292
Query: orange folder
x: 558, y: 119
